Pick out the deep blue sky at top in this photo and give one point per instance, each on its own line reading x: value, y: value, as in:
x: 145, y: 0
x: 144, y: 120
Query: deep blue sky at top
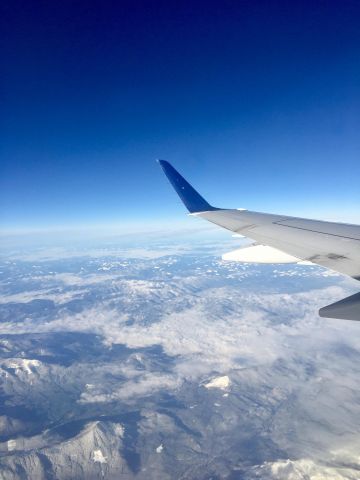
x: 256, y: 102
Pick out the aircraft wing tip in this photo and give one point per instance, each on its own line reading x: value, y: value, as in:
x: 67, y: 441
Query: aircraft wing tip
x: 193, y: 201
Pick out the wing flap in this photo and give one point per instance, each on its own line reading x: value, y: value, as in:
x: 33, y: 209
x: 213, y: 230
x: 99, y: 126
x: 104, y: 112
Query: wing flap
x: 346, y: 309
x: 259, y: 254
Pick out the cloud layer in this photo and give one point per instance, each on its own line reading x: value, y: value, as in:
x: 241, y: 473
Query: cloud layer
x: 184, y: 321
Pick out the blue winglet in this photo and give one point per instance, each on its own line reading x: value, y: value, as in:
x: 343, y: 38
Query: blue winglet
x: 190, y: 197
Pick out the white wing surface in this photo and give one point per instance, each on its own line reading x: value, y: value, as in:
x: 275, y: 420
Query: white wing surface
x: 332, y: 245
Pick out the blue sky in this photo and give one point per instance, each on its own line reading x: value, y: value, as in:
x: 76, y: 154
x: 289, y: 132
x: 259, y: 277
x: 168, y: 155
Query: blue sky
x: 257, y: 103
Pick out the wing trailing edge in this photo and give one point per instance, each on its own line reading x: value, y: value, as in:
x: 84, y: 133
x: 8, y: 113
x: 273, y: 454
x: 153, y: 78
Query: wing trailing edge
x: 346, y: 309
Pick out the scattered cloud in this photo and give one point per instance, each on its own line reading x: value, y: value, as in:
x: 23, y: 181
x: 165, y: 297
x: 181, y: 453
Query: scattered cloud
x: 289, y: 377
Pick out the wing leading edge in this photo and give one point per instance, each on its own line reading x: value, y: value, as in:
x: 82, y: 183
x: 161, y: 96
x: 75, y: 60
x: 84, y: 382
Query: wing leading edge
x: 332, y: 245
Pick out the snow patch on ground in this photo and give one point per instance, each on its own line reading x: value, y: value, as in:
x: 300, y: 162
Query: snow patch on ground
x: 160, y: 448
x: 119, y: 430
x: 23, y: 365
x: 99, y: 457
x: 219, y: 382
x: 11, y: 445
x: 306, y: 468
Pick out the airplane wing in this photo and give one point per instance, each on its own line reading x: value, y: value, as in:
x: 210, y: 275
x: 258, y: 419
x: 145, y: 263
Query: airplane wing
x: 283, y: 239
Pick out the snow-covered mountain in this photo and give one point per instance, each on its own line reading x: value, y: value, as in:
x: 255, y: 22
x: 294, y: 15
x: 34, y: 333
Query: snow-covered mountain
x: 159, y: 360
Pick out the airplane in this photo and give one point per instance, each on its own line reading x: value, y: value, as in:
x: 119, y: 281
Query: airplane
x: 283, y: 239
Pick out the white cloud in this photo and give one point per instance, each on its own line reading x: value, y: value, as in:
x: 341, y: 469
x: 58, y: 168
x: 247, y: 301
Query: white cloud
x: 59, y: 297
x: 214, y: 330
x: 256, y: 329
x: 130, y: 391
